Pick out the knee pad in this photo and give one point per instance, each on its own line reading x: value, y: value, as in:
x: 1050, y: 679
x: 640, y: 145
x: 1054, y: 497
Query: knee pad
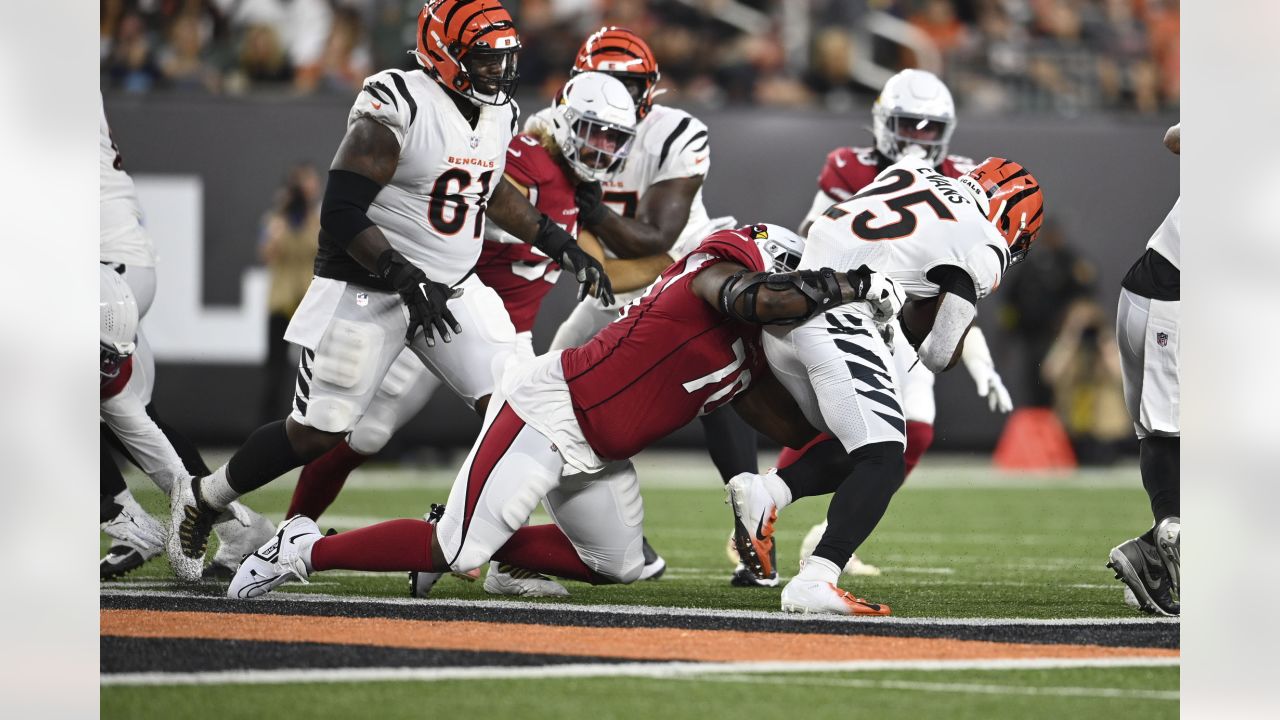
x: 469, y: 559
x: 402, y: 375
x: 626, y: 569
x: 373, y: 432
x: 331, y: 414
x: 348, y: 353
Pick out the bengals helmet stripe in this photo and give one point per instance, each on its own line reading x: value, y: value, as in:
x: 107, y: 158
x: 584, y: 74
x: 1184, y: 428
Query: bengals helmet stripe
x: 450, y: 30
x: 620, y: 52
x: 1015, y: 202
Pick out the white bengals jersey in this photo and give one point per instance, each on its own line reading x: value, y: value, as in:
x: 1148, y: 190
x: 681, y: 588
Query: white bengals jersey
x: 123, y: 239
x: 670, y: 143
x: 908, y: 221
x: 433, y: 210
x: 1167, y: 239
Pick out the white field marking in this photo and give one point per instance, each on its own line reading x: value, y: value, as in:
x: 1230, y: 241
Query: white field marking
x: 658, y: 611
x: 969, y: 688
x: 641, y: 670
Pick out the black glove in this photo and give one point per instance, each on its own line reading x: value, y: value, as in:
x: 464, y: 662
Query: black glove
x: 561, y: 247
x: 427, y: 300
x: 589, y: 198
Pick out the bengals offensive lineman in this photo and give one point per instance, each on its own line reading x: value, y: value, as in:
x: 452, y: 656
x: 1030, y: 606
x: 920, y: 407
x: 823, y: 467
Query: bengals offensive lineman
x: 433, y: 140
x: 914, y: 113
x: 562, y: 426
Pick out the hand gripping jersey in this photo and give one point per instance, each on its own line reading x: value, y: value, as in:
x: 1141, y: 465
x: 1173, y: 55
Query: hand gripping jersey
x: 669, y: 144
x: 123, y: 239
x: 432, y: 211
x: 669, y: 358
x: 520, y: 273
x: 910, y: 220
x: 849, y: 169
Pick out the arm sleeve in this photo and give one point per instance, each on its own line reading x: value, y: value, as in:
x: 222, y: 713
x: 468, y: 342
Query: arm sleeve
x: 685, y: 150
x: 954, y: 317
x: 128, y: 419
x: 385, y: 97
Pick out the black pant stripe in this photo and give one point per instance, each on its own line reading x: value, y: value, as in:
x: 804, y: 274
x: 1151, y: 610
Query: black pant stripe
x: 301, y: 404
x: 884, y: 399
x: 861, y: 352
x: 897, y: 423
x: 870, y: 376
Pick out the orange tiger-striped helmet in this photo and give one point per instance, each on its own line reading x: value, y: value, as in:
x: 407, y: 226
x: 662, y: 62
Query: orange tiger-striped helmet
x: 470, y: 47
x: 1015, y: 204
x: 625, y: 55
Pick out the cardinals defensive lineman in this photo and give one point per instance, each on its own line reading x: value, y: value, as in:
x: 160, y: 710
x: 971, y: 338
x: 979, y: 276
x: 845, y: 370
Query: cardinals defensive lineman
x: 914, y: 113
x: 561, y: 425
x: 418, y: 170
x: 936, y: 237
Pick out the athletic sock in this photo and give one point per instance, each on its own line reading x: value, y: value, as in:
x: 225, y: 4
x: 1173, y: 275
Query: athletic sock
x: 395, y: 545
x: 546, y: 549
x: 1160, y: 463
x: 819, y: 569
x: 861, y: 500
x: 731, y: 442
x: 820, y: 470
x: 919, y: 438
x: 322, y: 479
x: 215, y: 489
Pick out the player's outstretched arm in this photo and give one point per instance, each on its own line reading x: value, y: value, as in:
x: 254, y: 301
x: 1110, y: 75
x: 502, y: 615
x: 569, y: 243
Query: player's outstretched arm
x: 789, y: 298
x: 976, y: 356
x: 660, y: 217
x: 625, y: 275
x: 365, y: 162
x: 125, y: 415
x: 511, y: 210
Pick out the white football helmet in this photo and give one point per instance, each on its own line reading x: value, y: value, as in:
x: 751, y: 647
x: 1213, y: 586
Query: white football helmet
x: 778, y: 244
x: 593, y: 120
x: 914, y: 109
x: 117, y: 321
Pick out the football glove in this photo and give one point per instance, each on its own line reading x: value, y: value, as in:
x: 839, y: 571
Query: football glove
x: 589, y: 197
x: 560, y: 246
x: 426, y: 299
x: 879, y: 291
x: 993, y: 389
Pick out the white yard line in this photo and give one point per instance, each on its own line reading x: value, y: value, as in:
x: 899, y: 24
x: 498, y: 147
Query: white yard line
x: 969, y: 688
x: 650, y: 610
x: 644, y: 670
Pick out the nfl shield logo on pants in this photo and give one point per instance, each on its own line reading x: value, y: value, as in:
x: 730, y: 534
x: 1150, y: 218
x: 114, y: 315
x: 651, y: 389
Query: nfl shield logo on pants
x: 1162, y: 339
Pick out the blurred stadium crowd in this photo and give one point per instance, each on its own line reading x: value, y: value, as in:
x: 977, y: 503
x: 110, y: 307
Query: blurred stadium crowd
x: 1056, y: 56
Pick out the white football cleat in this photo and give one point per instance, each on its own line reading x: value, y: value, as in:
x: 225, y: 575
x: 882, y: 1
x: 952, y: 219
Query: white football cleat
x: 754, y: 513
x: 189, y: 520
x: 855, y: 566
x: 815, y: 596
x: 237, y: 540
x: 504, y: 579
x: 278, y: 561
x: 1168, y: 542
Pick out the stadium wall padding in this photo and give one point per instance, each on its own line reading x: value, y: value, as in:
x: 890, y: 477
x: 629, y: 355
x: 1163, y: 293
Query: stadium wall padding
x: 1108, y: 180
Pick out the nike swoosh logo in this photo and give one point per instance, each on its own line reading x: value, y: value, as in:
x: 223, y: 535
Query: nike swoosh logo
x: 376, y: 105
x: 760, y: 529
x: 840, y: 163
x: 294, y: 539
x: 514, y: 152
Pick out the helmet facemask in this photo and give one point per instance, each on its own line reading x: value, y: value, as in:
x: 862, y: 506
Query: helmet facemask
x: 112, y: 357
x: 596, y: 150
x: 779, y: 245
x: 490, y: 76
x: 901, y: 132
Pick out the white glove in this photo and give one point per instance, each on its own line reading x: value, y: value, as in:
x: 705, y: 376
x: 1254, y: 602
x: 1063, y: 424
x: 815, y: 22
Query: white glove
x: 883, y: 295
x: 977, y: 360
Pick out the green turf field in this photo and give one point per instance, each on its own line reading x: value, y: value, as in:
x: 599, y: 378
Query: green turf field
x: 959, y: 541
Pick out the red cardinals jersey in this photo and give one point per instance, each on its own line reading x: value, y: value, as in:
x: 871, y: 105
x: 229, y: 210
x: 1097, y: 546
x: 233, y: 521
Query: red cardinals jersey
x: 849, y: 169
x: 520, y: 274
x: 109, y: 387
x: 669, y: 358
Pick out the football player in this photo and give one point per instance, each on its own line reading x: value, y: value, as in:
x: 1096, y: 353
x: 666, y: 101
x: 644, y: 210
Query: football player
x: 1147, y: 329
x: 936, y: 237
x: 562, y: 425
x: 417, y: 172
x: 126, y: 248
x: 591, y: 130
x: 138, y: 536
x: 914, y: 113
x: 653, y: 209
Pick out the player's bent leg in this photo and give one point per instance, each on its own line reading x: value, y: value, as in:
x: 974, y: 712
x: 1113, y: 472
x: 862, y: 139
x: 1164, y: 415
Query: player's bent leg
x: 285, y: 557
x: 471, y: 363
x: 602, y: 514
x: 582, y: 324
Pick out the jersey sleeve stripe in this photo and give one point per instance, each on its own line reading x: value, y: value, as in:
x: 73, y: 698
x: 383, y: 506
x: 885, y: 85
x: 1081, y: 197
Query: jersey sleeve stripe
x: 403, y: 89
x: 692, y: 140
x: 666, y: 146
x: 381, y: 92
x: 1004, y: 258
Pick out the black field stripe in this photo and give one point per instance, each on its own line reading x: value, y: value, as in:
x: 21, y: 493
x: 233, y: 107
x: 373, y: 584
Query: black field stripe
x: 1163, y: 635
x: 896, y: 422
x: 884, y: 399
x: 382, y: 92
x: 182, y: 655
x: 404, y: 93
x: 865, y: 354
x: 692, y: 140
x: 666, y: 146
